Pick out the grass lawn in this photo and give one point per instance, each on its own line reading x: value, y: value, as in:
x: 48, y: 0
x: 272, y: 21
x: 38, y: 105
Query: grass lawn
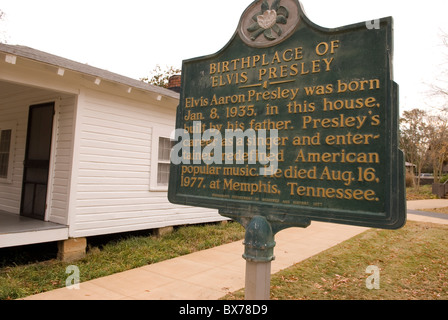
x: 21, y: 276
x: 412, y: 264
x: 423, y: 193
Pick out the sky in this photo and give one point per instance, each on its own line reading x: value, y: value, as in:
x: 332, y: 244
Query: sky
x: 131, y: 37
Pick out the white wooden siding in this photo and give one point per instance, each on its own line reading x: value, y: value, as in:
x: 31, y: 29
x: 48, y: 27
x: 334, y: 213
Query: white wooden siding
x: 113, y: 183
x: 100, y: 179
x: 14, y: 106
x: 14, y: 110
x: 63, y: 146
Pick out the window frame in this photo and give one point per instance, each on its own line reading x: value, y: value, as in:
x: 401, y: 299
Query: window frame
x: 157, y: 133
x: 11, y: 125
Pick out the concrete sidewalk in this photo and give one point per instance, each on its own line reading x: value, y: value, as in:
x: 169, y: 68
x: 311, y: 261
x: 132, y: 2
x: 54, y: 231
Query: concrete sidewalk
x: 415, y: 215
x: 212, y: 273
x: 427, y: 204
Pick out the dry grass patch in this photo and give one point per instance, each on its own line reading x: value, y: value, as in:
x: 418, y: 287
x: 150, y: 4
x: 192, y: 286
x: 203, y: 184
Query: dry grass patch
x: 413, y: 264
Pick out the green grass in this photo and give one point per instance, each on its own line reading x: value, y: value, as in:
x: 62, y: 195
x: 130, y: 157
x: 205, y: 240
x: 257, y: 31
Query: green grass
x: 20, y: 278
x: 422, y: 193
x: 413, y: 264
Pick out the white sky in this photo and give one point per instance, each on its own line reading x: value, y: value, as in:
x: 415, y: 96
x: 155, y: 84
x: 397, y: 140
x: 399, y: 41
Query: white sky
x: 131, y: 37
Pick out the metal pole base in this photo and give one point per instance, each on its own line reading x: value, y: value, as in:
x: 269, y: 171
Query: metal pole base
x: 259, y: 247
x: 258, y: 280
x: 259, y: 252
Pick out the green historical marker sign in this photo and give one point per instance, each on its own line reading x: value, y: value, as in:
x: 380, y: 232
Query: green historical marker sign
x: 292, y: 122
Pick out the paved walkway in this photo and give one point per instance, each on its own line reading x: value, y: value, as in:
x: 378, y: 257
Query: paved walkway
x: 415, y: 215
x: 212, y: 273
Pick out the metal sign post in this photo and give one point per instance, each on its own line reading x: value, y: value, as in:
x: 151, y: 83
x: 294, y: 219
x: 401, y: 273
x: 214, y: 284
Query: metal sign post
x: 259, y: 246
x: 258, y: 280
x: 259, y: 252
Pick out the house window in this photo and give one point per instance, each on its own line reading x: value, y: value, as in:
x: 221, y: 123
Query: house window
x: 5, y: 147
x: 163, y: 164
x: 161, y: 146
x: 6, y: 151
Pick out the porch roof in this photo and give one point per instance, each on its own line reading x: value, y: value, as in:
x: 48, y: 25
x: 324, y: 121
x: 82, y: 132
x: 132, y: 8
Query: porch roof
x: 50, y: 59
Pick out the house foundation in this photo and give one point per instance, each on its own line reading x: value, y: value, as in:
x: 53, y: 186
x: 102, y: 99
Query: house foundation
x: 159, y: 232
x: 72, y: 249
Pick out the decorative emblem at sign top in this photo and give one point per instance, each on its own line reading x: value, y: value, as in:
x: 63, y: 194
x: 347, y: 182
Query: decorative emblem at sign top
x: 267, y: 20
x: 266, y: 23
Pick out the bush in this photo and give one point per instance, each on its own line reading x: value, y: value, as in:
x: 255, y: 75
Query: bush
x: 444, y: 178
x: 409, y: 180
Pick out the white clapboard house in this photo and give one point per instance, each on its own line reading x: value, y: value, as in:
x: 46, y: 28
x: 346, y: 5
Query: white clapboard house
x: 83, y: 151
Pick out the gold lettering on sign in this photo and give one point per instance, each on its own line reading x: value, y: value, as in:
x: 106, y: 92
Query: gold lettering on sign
x: 327, y: 130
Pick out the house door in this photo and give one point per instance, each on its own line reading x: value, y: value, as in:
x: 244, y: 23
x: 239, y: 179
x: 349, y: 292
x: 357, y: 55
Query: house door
x: 37, y: 161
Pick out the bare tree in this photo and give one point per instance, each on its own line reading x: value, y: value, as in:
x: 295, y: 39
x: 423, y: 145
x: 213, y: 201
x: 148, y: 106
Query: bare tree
x: 2, y: 32
x: 438, y: 143
x: 160, y: 77
x: 414, y: 138
x: 424, y: 139
x: 439, y: 87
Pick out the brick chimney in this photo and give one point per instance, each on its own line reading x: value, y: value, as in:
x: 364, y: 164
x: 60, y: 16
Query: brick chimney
x: 174, y: 83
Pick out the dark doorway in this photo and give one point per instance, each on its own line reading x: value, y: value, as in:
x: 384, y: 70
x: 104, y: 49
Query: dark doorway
x: 37, y: 161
